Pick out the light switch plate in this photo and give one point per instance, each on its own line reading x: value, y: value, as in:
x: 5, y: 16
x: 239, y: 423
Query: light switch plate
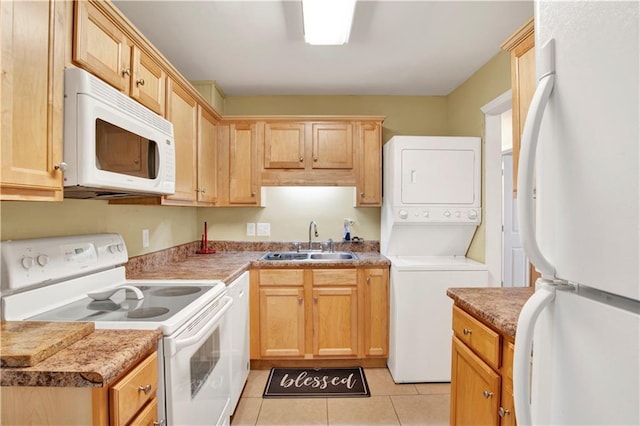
x: 264, y: 229
x: 251, y: 229
x: 145, y: 238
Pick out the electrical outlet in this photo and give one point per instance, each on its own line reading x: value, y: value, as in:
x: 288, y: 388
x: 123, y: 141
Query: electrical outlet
x: 145, y: 238
x: 264, y: 229
x: 251, y: 229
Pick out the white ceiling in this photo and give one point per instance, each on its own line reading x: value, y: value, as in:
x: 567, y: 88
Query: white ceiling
x: 395, y: 48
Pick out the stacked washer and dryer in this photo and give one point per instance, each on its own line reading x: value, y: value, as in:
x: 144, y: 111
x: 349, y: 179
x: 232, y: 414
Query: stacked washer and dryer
x: 430, y: 211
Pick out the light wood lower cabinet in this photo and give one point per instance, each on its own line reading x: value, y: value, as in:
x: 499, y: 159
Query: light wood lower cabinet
x: 32, y: 59
x: 331, y: 314
x: 130, y: 400
x: 481, y: 374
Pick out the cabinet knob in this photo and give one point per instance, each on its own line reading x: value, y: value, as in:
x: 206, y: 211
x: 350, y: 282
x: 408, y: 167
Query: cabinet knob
x: 300, y: 299
x: 368, y: 279
x: 315, y: 159
x: 301, y: 159
x: 253, y: 194
x: 140, y: 82
x: 362, y: 195
x: 126, y: 72
x: 146, y: 389
x: 62, y: 167
x: 466, y: 331
x: 504, y: 412
x: 315, y: 299
x: 487, y: 394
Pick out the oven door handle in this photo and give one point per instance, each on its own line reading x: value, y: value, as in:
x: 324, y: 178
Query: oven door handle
x: 226, y: 302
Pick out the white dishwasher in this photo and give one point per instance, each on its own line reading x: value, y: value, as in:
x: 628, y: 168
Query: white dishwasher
x: 238, y: 290
x: 420, y: 314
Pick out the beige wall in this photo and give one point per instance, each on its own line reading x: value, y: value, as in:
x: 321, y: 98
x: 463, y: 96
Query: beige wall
x: 289, y: 210
x: 168, y: 226
x: 466, y: 119
x: 457, y: 114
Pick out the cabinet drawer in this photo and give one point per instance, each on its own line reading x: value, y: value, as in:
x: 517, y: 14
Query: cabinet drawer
x: 480, y: 338
x: 335, y: 277
x: 128, y: 395
x: 148, y: 416
x: 281, y: 277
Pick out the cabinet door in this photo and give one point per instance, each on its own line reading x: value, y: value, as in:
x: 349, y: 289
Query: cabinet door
x: 332, y: 145
x: 282, y: 321
x: 148, y: 82
x: 32, y: 42
x: 207, y: 157
x: 335, y: 321
x: 100, y: 47
x: 376, y: 312
x: 182, y: 111
x: 370, y: 174
x: 243, y: 182
x: 284, y: 145
x: 475, y: 388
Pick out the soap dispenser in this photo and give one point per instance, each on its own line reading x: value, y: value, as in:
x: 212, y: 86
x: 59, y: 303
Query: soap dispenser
x: 346, y: 235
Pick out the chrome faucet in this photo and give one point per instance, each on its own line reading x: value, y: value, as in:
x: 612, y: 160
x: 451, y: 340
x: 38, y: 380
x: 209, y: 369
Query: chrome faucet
x: 313, y: 225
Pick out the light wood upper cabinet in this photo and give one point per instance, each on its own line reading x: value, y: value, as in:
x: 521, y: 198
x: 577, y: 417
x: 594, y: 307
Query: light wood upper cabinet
x: 207, y: 188
x: 32, y: 58
x: 102, y: 48
x: 243, y: 170
x: 284, y: 145
x: 369, y: 185
x: 182, y: 111
x: 523, y: 84
x: 332, y: 145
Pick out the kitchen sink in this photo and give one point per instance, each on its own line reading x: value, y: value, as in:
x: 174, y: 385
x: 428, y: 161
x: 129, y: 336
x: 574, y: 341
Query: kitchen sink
x: 309, y: 256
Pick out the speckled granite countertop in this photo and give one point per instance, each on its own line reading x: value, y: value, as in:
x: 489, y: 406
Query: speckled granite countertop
x: 229, y: 265
x: 498, y: 307
x: 93, y: 361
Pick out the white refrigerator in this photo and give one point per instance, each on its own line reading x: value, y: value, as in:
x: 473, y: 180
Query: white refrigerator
x: 577, y: 349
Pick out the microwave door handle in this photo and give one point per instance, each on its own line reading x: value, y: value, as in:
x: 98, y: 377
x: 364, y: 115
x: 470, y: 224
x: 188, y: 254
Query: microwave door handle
x: 207, y: 328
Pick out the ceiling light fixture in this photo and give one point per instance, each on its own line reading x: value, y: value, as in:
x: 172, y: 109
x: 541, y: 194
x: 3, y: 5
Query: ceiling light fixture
x: 327, y: 21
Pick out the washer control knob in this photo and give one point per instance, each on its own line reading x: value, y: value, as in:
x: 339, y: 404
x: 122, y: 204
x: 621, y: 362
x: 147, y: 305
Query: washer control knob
x: 120, y: 247
x: 457, y: 213
x: 112, y: 248
x: 27, y: 262
x: 425, y: 213
x: 472, y: 214
x: 447, y: 213
x: 42, y: 259
x: 403, y: 214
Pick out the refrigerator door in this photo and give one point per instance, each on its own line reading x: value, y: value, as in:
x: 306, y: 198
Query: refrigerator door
x: 585, y: 361
x: 587, y: 167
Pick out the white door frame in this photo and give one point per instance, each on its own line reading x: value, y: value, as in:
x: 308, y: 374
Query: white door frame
x: 493, y: 184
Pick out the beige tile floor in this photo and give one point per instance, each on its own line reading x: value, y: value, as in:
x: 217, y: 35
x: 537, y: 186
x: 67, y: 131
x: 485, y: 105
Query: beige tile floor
x: 389, y: 404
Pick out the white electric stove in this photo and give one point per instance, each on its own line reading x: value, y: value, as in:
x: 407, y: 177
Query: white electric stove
x: 81, y: 278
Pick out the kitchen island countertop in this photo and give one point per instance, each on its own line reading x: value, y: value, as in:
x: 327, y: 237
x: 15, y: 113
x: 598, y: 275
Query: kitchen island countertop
x: 498, y: 307
x: 93, y: 361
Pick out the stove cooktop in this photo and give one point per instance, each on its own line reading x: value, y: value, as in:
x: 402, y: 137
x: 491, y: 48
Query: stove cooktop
x: 166, y: 305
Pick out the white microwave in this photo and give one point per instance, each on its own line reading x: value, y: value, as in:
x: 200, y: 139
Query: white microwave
x: 113, y: 146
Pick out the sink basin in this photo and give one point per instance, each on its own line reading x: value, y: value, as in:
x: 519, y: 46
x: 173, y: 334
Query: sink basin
x: 340, y: 255
x: 309, y: 256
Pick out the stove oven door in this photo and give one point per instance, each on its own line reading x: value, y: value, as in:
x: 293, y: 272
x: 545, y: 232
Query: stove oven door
x: 198, y: 366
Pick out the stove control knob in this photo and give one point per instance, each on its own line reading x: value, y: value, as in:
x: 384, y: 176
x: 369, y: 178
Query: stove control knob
x: 42, y: 259
x: 447, y: 213
x: 403, y: 214
x: 27, y: 262
x: 472, y: 214
x: 112, y: 248
x: 425, y: 213
x: 457, y: 213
